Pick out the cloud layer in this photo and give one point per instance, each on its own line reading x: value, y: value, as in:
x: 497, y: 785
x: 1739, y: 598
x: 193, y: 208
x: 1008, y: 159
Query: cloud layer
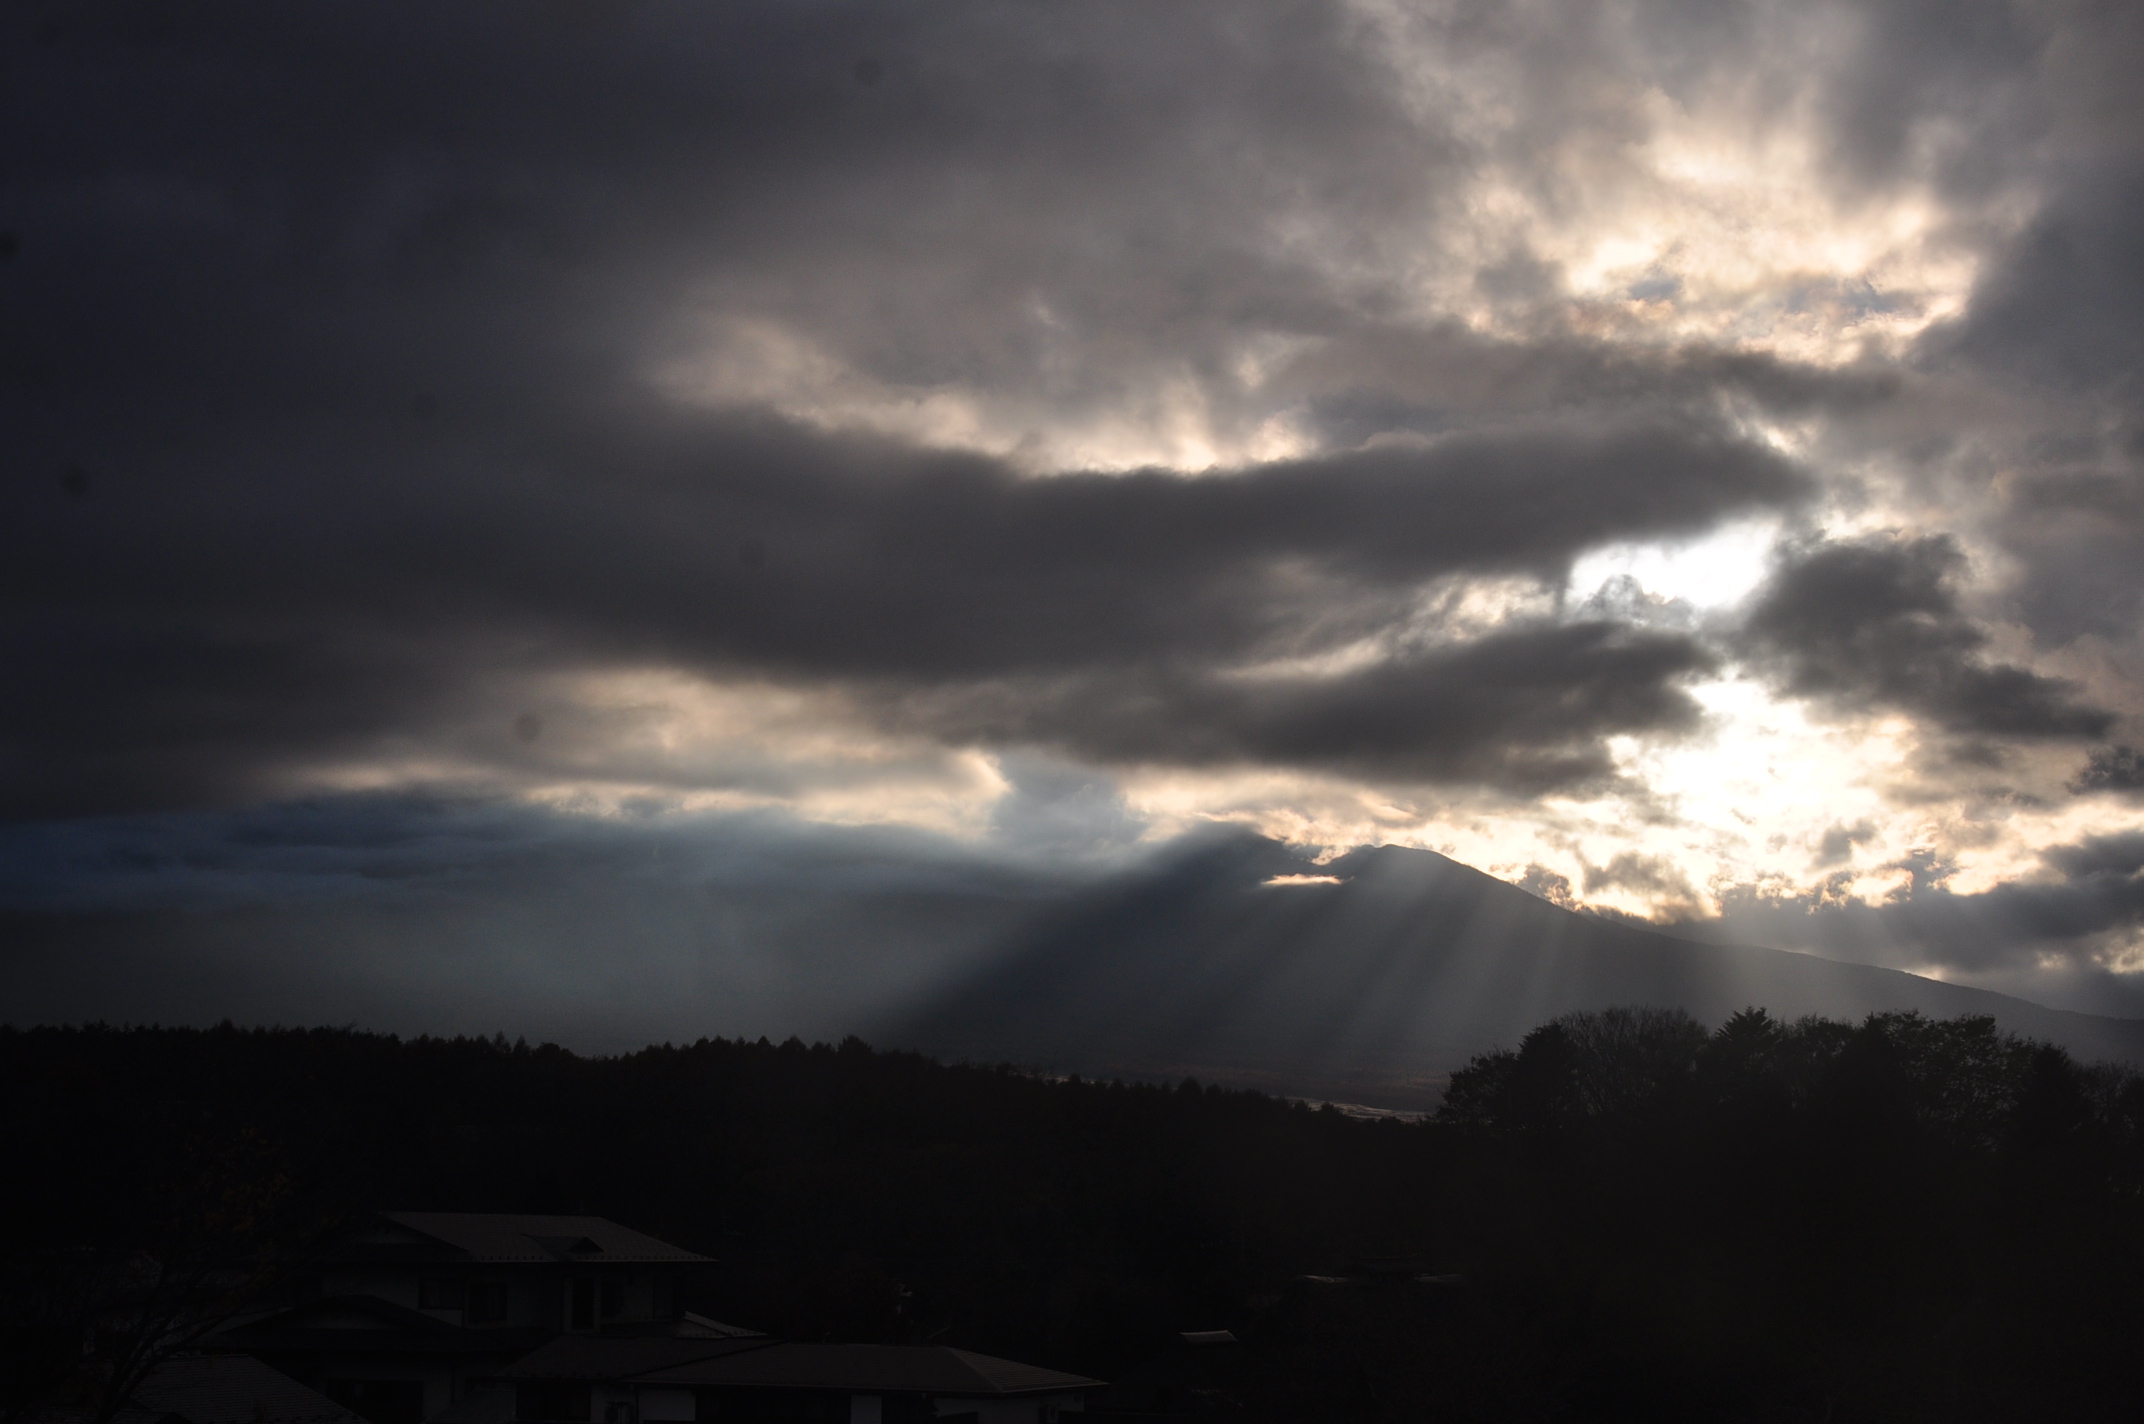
x: 844, y: 412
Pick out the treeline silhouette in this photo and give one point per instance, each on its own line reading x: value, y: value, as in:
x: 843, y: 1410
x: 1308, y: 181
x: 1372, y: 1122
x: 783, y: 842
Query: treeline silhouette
x: 1897, y: 1219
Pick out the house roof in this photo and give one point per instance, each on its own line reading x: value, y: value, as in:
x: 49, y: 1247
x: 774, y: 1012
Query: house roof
x: 868, y: 1369
x: 234, y: 1389
x: 495, y: 1238
x: 502, y: 1237
x: 369, y: 1325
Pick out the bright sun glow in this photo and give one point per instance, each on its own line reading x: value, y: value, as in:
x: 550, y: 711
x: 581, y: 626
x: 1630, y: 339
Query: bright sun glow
x: 1714, y: 571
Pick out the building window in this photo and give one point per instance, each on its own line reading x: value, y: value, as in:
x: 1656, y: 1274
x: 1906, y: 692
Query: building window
x: 613, y: 1299
x: 439, y: 1293
x: 487, y: 1303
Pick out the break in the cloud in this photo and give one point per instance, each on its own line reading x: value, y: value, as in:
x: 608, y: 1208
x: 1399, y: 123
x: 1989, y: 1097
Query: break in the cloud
x: 1683, y: 458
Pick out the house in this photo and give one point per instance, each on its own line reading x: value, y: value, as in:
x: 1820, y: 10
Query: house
x: 493, y: 1271
x: 582, y: 1380
x: 409, y: 1317
x: 399, y: 1313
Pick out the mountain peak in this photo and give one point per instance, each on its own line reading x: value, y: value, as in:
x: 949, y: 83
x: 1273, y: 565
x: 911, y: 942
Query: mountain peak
x: 1372, y: 976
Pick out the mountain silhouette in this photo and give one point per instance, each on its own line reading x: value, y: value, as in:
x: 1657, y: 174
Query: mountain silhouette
x: 1372, y: 986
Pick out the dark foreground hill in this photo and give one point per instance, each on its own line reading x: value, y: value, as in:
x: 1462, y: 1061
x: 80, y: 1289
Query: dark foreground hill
x: 1373, y: 988
x: 1628, y: 1218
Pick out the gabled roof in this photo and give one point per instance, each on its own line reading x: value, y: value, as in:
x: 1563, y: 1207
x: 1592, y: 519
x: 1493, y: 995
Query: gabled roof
x: 503, y: 1238
x: 369, y: 1325
x: 234, y: 1389
x: 869, y: 1369
x: 488, y: 1236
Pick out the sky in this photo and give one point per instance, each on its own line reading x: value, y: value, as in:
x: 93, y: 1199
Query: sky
x: 614, y: 517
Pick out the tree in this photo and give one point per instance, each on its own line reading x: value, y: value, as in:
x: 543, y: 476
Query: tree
x: 88, y: 1322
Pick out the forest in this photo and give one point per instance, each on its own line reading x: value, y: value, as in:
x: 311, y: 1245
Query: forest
x: 1628, y: 1216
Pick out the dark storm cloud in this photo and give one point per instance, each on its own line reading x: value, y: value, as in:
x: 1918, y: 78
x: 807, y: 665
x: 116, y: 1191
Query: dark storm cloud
x: 2067, y: 306
x: 328, y: 336
x: 2117, y: 769
x: 2099, y: 856
x: 345, y: 319
x: 2074, y: 520
x: 473, y: 194
x: 1524, y: 709
x: 550, y: 168
x: 2062, y: 314
x: 187, y: 646
x: 1875, y: 623
x: 2058, y: 315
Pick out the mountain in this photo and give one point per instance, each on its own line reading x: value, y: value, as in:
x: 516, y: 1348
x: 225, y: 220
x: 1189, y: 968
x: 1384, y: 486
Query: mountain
x: 1372, y: 986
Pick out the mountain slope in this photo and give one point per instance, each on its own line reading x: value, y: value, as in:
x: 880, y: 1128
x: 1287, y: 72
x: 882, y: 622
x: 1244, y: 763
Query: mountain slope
x: 1371, y: 989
